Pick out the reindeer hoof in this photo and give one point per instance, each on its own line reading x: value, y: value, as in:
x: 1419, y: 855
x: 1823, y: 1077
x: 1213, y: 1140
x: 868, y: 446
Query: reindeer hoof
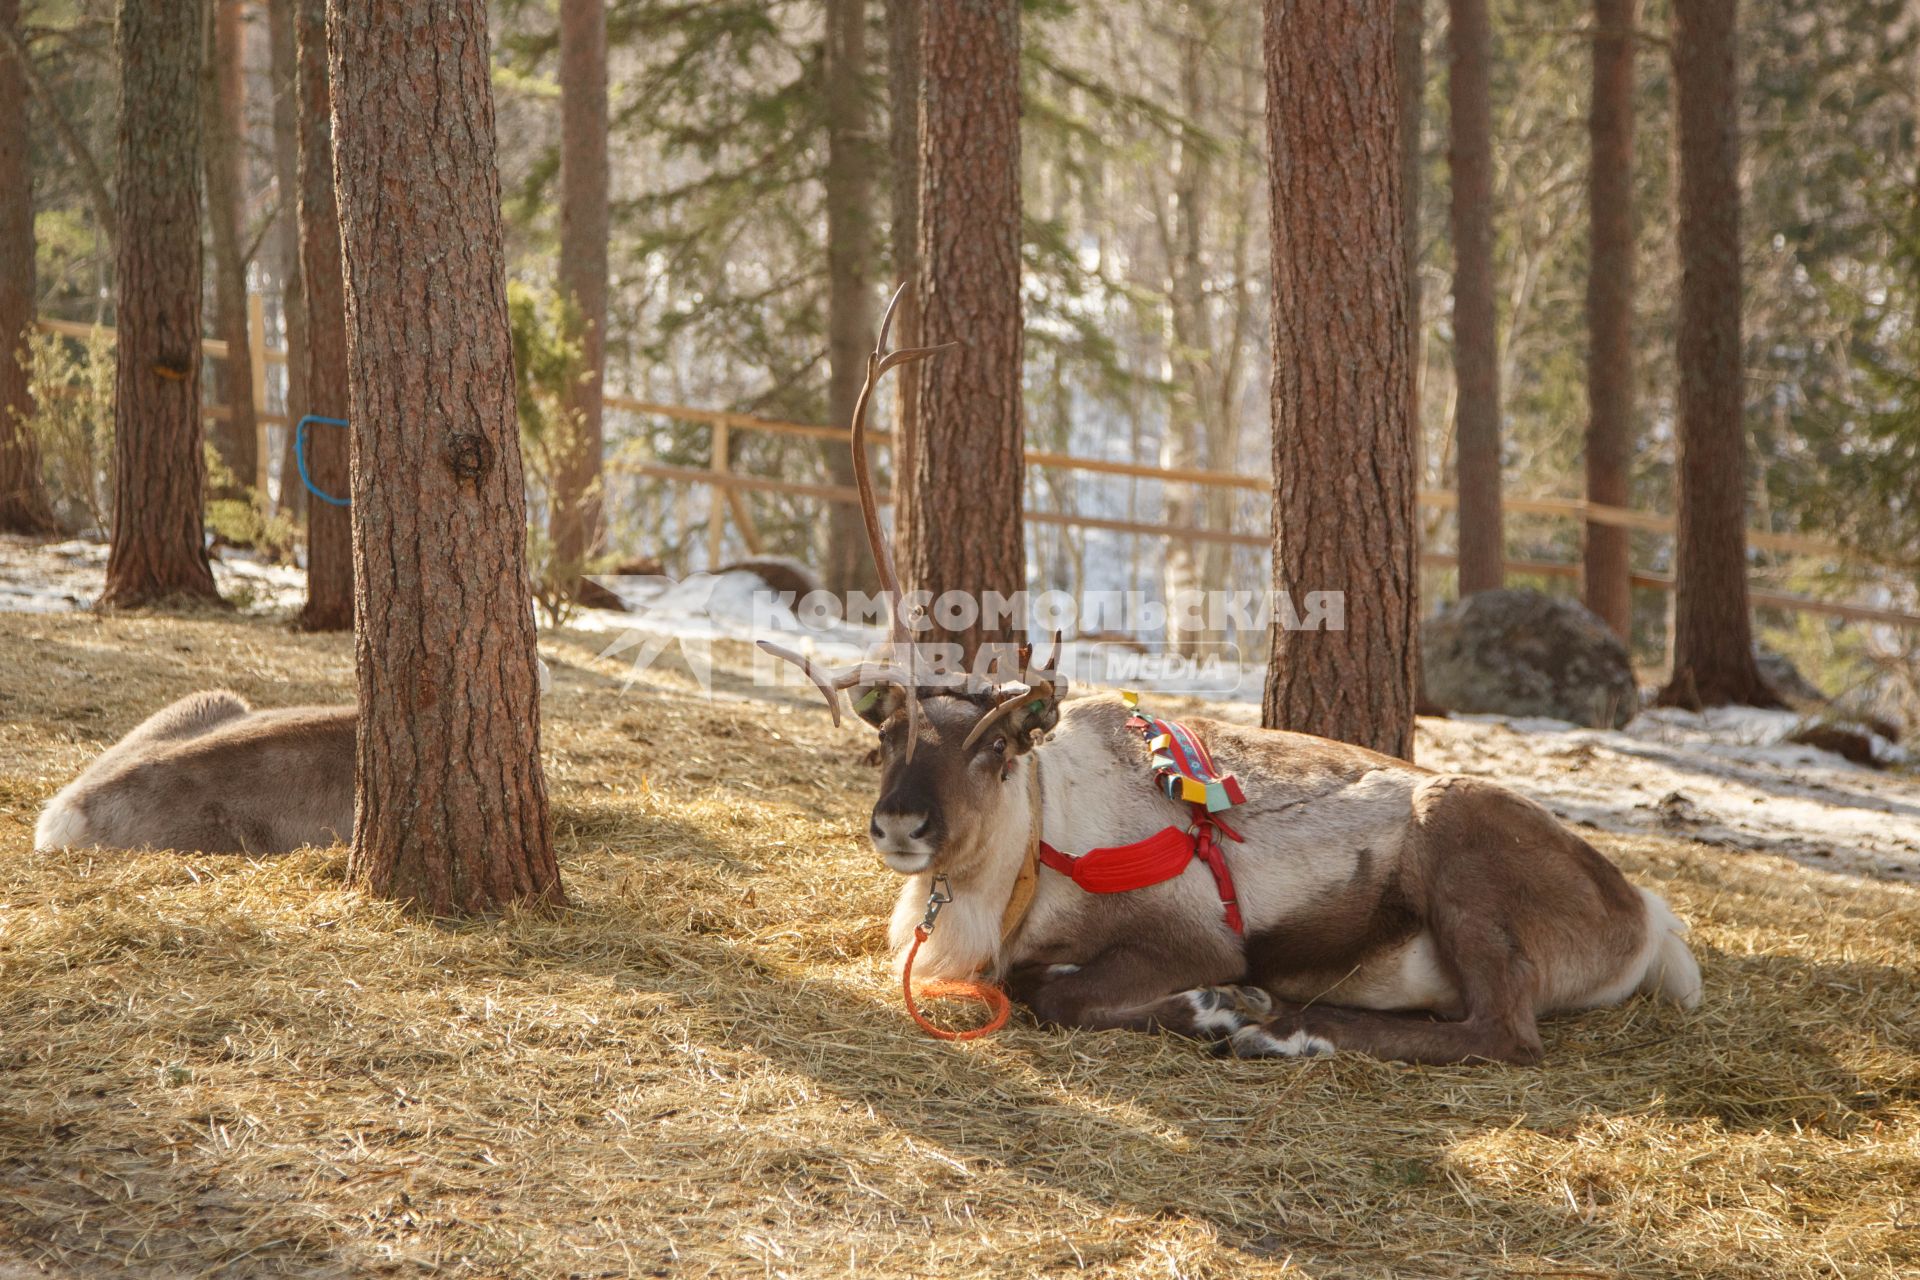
x: 1259, y: 1042
x: 1215, y: 1013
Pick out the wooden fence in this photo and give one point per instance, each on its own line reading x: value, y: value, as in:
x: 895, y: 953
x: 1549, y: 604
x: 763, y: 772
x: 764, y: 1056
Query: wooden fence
x: 729, y: 487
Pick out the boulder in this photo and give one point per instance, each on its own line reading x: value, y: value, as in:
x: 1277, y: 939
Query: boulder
x: 1526, y: 653
x: 1850, y: 741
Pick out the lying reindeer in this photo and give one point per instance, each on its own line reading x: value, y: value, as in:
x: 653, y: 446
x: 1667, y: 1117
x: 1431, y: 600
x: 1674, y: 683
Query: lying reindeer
x: 1382, y: 907
x: 212, y: 774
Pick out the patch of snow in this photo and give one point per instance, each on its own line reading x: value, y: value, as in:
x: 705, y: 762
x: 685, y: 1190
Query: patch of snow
x: 61, y: 577
x: 1726, y: 776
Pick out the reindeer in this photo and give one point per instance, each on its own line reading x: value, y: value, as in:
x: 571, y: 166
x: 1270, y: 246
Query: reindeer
x: 212, y: 774
x: 1383, y: 908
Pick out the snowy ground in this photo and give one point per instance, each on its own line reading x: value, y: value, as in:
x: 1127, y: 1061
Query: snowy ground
x: 55, y: 577
x: 1724, y: 778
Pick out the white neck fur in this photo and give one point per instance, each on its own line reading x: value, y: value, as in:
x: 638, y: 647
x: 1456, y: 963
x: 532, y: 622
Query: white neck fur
x: 966, y: 940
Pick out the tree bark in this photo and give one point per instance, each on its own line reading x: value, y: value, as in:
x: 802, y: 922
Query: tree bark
x: 849, y: 194
x: 1476, y: 342
x: 1410, y: 74
x: 1713, y: 661
x: 966, y: 503
x: 904, y: 23
x: 283, y: 40
x: 234, y: 437
x: 1343, y: 503
x: 159, y: 475
x: 1190, y: 342
x: 575, y: 521
x: 23, y: 498
x: 1610, y: 386
x: 451, y: 801
x: 323, y: 358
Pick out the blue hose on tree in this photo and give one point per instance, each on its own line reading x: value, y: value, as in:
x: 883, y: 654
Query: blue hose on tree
x: 300, y: 457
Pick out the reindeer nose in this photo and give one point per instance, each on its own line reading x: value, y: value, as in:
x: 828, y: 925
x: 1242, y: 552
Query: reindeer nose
x: 900, y: 832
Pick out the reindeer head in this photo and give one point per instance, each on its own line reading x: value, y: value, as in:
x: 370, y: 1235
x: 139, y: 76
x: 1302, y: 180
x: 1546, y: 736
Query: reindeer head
x: 943, y: 771
x: 947, y: 742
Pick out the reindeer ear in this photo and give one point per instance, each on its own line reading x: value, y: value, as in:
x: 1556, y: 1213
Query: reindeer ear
x: 1035, y: 714
x: 875, y: 703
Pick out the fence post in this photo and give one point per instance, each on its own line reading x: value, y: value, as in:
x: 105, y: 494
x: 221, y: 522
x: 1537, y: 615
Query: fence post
x: 257, y: 354
x: 717, y: 495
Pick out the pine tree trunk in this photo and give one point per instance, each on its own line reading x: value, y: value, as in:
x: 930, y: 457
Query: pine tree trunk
x: 965, y: 508
x: 323, y: 360
x: 451, y: 801
x: 575, y: 522
x: 1610, y: 387
x: 1190, y: 340
x: 1476, y: 344
x: 850, y: 318
x: 1238, y: 196
x: 1410, y: 68
x: 159, y: 475
x: 284, y: 44
x: 903, y: 141
x: 234, y: 437
x: 1343, y: 503
x: 23, y: 498
x: 1713, y: 662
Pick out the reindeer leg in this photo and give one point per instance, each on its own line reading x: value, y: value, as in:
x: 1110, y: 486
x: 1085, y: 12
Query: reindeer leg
x: 1132, y: 989
x: 1495, y: 983
x: 1400, y: 1037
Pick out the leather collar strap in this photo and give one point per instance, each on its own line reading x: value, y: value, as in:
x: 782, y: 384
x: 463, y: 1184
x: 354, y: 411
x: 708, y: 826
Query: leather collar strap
x: 1027, y: 883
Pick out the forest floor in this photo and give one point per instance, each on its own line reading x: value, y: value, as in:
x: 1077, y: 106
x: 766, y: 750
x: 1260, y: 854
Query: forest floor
x: 217, y: 1066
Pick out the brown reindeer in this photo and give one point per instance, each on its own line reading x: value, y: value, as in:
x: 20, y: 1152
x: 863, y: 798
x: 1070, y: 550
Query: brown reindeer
x: 1387, y: 909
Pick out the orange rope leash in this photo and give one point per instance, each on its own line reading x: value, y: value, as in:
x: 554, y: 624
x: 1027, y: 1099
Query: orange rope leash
x: 985, y: 992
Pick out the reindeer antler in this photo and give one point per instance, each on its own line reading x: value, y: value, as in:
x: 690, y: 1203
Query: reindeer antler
x: 1042, y: 688
x: 830, y: 682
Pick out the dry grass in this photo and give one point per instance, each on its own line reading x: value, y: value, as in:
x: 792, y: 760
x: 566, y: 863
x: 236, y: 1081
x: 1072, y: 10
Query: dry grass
x: 217, y: 1067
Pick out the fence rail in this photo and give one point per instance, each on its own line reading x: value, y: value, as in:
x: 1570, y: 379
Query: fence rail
x: 730, y: 487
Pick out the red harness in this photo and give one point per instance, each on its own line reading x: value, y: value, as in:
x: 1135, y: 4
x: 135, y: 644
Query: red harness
x: 1161, y: 856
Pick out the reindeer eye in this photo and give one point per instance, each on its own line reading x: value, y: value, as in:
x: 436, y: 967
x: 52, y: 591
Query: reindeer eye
x: 1000, y: 745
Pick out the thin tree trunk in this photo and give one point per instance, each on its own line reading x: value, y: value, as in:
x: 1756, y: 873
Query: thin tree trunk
x: 451, y: 801
x: 1476, y: 342
x: 159, y: 475
x: 283, y: 40
x: 903, y: 140
x: 233, y: 434
x: 849, y: 192
x: 14, y: 56
x: 575, y: 521
x: 965, y: 510
x: 23, y: 498
x: 329, y: 604
x: 1343, y: 517
x: 1610, y: 386
x: 1191, y: 348
x: 1239, y: 194
x: 1713, y: 661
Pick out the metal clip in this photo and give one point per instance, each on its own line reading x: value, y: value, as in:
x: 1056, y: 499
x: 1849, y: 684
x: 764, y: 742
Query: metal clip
x: 940, y: 896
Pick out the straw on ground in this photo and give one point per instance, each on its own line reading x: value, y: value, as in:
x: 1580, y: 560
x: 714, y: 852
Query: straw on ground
x: 215, y: 1066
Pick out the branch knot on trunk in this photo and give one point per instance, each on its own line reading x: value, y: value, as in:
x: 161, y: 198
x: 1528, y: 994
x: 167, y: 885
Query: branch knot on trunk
x: 469, y: 455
